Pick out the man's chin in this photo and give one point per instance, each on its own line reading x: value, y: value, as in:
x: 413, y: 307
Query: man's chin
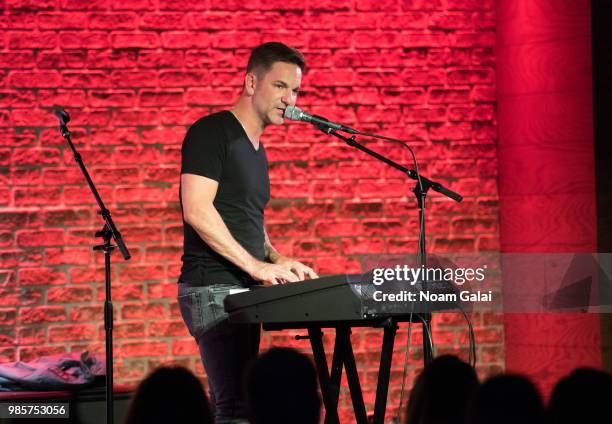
x: 277, y: 120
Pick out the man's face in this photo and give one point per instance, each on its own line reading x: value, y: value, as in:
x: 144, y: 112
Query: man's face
x: 275, y: 90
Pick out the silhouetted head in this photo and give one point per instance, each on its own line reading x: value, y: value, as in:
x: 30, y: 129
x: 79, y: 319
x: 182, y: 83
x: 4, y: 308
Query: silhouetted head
x: 281, y: 387
x: 169, y: 395
x: 581, y: 397
x: 441, y: 392
x: 506, y: 399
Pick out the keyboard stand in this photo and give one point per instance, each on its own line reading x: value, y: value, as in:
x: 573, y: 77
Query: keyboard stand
x: 344, y: 358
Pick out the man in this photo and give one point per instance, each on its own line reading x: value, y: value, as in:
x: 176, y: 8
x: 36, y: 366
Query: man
x: 224, y: 190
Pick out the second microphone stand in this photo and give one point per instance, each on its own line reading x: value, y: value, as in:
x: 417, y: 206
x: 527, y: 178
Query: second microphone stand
x: 108, y: 233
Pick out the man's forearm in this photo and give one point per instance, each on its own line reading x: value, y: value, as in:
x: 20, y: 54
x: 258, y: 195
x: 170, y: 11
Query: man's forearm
x: 210, y: 227
x: 271, y: 253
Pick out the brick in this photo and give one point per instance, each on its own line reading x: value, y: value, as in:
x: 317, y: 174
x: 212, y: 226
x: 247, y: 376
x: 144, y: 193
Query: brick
x: 315, y: 248
x: 42, y: 314
x: 114, y: 59
x: 115, y: 137
x: 141, y: 272
x: 32, y: 40
x: 212, y: 21
x: 185, y: 5
x: 439, y: 95
x: 450, y: 21
x: 27, y: 353
x: 165, y: 21
x: 85, y: 79
x: 31, y: 157
x: 392, y: 96
x: 167, y: 329
x: 471, y: 76
x: 483, y: 57
x: 134, y: 117
x: 376, y: 39
x: 121, y: 291
x: 163, y: 291
x: 16, y: 60
x: 23, y: 79
x: 330, y: 40
x: 37, y: 196
x: 185, y: 347
x: 114, y: 98
x: 377, y: 5
x: 62, y: 20
x: 8, y: 317
x: 41, y: 276
x: 163, y: 174
x: 68, y: 256
x: 140, y: 349
x: 157, y: 60
x: 129, y: 330
x: 150, y: 98
x: 112, y: 21
x: 131, y: 79
x: 333, y: 190
x: 201, y: 59
x: 185, y: 40
x: 170, y: 213
x: 473, y: 39
x: 72, y: 332
x: 61, y: 60
x: 381, y: 78
x: 86, y: 275
x: 84, y: 4
x: 469, y: 4
x: 34, y: 5
x: 434, y: 39
x: 140, y: 311
x: 129, y: 40
x: 337, y: 265
x: 7, y: 278
x: 235, y: 39
x: 448, y: 57
x: 404, y: 21
x: 183, y: 78
x: 84, y: 40
x: 19, y: 296
x: 87, y: 313
x: 137, y: 5
x: 422, y: 4
x: 17, y: 137
x: 206, y: 97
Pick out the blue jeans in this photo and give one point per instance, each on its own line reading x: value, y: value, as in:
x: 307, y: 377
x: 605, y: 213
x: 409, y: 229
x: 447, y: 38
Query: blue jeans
x: 225, y: 348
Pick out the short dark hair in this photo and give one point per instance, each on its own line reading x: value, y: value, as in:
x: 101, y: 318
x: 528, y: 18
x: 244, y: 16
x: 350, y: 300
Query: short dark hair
x: 265, y: 55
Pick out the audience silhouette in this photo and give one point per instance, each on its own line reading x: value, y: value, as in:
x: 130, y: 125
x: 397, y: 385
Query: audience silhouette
x: 506, y: 399
x: 441, y: 392
x: 169, y: 395
x: 281, y: 387
x: 582, y: 396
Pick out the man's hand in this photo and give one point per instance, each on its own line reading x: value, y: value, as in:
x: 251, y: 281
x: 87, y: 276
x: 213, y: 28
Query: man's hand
x: 295, y: 267
x: 273, y: 273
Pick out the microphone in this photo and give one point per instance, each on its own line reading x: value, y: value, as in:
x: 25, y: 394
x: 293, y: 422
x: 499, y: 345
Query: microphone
x: 294, y: 113
x: 62, y: 115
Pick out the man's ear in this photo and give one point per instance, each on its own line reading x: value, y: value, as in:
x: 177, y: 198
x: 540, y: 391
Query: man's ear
x: 250, y: 81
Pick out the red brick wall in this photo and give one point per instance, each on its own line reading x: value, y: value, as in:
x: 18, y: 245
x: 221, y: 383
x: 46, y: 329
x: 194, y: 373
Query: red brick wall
x: 134, y: 73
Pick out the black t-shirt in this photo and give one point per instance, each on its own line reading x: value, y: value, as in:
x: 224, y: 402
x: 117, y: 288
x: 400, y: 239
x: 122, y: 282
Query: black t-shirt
x: 218, y: 148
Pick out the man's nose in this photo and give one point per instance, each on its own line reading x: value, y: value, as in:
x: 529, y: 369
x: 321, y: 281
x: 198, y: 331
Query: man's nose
x: 288, y: 98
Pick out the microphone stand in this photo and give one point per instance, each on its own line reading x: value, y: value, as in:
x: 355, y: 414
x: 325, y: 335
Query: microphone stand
x: 107, y: 232
x: 420, y: 190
